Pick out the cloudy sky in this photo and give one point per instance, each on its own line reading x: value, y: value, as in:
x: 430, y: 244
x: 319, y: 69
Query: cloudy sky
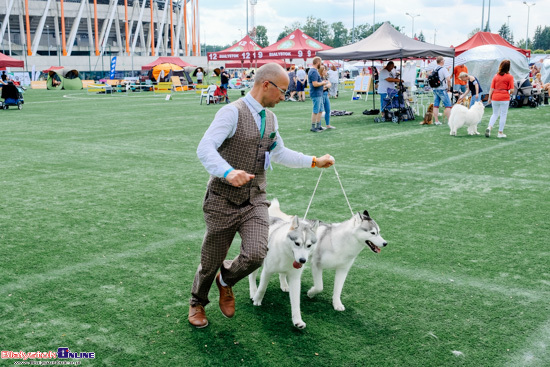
x: 224, y: 21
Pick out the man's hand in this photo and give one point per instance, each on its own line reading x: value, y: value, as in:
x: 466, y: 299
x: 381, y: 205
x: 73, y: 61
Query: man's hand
x: 325, y: 161
x: 238, y: 177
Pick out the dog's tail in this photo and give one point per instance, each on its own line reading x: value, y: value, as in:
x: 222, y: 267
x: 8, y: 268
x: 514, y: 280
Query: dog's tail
x: 275, y: 211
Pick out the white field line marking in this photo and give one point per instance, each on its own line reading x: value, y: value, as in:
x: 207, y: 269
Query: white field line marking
x: 535, y: 351
x: 395, y: 135
x: 456, y: 280
x: 158, y: 98
x: 378, y: 171
x: 503, y: 144
x: 14, y: 136
x: 33, y: 280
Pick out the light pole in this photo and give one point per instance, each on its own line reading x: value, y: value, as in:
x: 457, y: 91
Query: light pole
x: 353, y: 24
x: 412, y: 17
x: 528, y: 11
x: 373, y: 16
x: 509, y: 22
x: 48, y: 31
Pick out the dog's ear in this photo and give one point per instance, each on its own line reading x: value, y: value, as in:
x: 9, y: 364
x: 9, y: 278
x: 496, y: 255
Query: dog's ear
x: 315, y: 225
x: 366, y: 214
x: 295, y: 223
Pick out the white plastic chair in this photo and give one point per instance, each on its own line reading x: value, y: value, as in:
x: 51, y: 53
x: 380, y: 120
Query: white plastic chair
x: 209, y: 92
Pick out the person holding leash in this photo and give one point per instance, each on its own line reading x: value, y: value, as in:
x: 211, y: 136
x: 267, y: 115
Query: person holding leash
x: 440, y: 93
x: 473, y: 87
x: 237, y: 150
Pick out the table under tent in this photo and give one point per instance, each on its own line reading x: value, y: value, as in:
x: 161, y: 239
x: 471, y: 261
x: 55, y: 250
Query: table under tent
x: 385, y: 44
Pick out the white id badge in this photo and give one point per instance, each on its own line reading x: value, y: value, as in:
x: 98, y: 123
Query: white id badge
x: 267, y: 163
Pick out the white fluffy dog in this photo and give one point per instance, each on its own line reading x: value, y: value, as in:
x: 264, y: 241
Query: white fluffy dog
x: 462, y: 116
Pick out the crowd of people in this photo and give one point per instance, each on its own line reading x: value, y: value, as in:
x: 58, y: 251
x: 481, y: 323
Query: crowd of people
x: 456, y: 85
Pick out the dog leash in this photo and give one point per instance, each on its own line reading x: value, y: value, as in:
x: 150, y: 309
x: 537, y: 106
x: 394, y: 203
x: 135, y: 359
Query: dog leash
x: 344, y: 191
x: 315, y: 190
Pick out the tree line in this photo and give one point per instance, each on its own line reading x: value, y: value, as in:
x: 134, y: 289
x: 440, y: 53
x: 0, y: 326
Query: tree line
x: 540, y: 43
x: 337, y: 35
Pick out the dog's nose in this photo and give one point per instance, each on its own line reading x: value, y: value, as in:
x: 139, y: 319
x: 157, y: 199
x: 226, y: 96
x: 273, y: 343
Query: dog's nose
x: 302, y: 260
x: 384, y: 244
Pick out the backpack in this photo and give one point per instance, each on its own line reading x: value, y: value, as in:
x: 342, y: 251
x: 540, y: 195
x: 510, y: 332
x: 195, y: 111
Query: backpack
x: 433, y: 79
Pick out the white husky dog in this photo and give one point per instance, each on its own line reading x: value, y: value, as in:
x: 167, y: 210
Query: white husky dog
x: 338, y: 245
x: 290, y: 243
x: 462, y: 116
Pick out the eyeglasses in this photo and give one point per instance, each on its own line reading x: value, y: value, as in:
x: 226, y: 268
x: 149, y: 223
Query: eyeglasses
x: 283, y: 92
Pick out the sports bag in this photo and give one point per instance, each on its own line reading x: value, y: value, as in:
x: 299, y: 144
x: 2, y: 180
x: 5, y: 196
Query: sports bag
x: 433, y: 79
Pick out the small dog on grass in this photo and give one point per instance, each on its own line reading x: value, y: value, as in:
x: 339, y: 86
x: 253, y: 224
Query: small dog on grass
x: 464, y: 101
x: 428, y: 117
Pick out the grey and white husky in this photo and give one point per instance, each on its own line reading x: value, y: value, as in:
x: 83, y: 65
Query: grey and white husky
x: 290, y: 244
x: 338, y: 245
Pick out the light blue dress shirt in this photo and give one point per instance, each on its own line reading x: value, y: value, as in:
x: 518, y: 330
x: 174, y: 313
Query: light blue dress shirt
x: 224, y: 127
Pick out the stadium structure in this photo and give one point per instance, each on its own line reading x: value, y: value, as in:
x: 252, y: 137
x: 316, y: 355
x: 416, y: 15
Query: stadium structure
x: 85, y: 31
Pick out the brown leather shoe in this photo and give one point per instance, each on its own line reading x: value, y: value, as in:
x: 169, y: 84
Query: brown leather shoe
x: 227, y: 299
x: 197, y: 316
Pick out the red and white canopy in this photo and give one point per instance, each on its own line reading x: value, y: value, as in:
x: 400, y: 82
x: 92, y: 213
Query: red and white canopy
x: 245, y: 49
x: 296, y: 45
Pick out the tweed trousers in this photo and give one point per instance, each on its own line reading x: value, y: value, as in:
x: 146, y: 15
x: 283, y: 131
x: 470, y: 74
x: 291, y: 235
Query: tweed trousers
x: 223, y: 220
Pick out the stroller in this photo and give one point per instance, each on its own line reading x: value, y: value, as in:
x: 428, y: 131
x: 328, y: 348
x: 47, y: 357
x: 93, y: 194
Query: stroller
x: 12, y: 96
x: 523, y: 95
x: 394, y: 108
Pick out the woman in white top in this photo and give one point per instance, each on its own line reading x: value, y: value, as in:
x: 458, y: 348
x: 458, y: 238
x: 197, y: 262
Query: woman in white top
x: 200, y: 76
x: 301, y: 78
x: 333, y: 79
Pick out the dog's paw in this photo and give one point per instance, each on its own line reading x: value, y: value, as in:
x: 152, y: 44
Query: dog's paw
x: 338, y: 306
x: 300, y: 324
x: 285, y: 288
x: 312, y: 292
x: 257, y: 302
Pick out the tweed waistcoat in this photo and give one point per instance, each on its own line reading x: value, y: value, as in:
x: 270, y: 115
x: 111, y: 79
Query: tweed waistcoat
x: 246, y: 151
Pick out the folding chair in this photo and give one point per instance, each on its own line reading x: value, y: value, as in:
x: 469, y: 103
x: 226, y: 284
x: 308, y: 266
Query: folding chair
x: 209, y: 93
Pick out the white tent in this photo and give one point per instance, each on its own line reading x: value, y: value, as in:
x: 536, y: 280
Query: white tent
x: 545, y: 71
x: 483, y: 61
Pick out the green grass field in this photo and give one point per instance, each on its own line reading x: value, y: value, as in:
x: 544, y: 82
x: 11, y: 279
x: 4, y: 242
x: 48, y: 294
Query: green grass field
x: 101, y: 228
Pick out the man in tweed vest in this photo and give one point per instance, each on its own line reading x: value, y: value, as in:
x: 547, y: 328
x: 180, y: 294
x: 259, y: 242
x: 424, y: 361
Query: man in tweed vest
x: 236, y: 150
